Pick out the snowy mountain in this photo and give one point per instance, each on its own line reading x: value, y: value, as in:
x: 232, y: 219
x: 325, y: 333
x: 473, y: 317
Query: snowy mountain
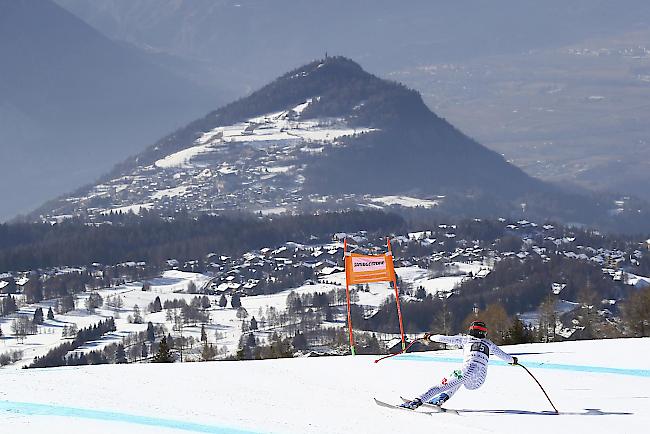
x: 597, y: 386
x: 558, y: 87
x: 327, y: 135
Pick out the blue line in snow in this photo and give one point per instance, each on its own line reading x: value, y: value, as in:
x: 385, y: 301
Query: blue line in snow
x: 528, y: 364
x: 32, y: 409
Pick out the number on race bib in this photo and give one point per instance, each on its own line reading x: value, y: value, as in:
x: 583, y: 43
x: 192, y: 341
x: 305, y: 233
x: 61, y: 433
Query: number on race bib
x: 481, y: 348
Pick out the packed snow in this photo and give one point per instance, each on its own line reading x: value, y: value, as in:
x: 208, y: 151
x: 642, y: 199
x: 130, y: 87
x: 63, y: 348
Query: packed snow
x: 597, y: 386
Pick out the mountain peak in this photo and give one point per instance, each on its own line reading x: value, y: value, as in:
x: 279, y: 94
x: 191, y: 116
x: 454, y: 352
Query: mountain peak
x: 327, y: 129
x: 330, y: 66
x: 337, y: 87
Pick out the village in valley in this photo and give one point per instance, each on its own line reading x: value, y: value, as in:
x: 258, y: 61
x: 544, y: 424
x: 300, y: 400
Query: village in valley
x: 220, y: 306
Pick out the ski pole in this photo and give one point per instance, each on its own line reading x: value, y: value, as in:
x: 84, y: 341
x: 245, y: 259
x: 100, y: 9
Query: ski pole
x: 400, y: 352
x: 540, y: 386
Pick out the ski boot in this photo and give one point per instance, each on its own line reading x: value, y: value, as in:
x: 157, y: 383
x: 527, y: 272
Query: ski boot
x: 412, y: 405
x: 438, y: 399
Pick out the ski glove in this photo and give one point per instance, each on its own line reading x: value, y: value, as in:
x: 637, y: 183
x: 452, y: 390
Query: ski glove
x: 426, y: 337
x: 514, y: 361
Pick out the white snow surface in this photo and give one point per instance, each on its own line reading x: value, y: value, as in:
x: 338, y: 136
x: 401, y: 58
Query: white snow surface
x: 334, y: 394
x: 170, y: 192
x: 182, y: 157
x: 405, y: 201
x: 172, y: 284
x: 283, y: 127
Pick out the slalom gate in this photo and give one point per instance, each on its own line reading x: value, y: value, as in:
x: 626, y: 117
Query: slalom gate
x: 370, y: 269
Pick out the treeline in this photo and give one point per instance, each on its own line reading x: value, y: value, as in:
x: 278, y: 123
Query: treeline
x: 154, y: 240
x: 57, y: 356
x: 179, y: 310
x: 522, y: 286
x: 283, y: 279
x: 8, y: 305
x: 513, y: 287
x: 10, y: 357
x: 335, y: 339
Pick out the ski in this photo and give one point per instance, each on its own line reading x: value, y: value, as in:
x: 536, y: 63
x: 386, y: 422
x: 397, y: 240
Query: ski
x: 435, y: 408
x: 397, y: 407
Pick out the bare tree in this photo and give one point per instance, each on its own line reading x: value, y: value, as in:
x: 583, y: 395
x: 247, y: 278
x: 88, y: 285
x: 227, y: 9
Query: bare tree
x: 179, y: 326
x: 636, y: 313
x: 547, y: 319
x: 21, y: 327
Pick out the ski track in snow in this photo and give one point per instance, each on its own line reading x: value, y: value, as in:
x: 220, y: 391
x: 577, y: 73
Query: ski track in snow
x: 32, y: 409
x: 541, y: 365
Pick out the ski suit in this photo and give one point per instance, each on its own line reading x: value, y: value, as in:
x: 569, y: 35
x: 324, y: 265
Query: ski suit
x: 476, y: 353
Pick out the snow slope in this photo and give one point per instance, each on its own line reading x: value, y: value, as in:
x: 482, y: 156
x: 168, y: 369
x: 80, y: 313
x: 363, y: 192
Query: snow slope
x: 280, y: 128
x: 598, y: 386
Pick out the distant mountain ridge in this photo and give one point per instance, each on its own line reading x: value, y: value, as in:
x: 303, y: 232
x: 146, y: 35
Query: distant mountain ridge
x: 73, y: 102
x: 327, y: 135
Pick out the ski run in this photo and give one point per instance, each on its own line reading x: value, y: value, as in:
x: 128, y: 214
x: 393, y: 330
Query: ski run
x: 598, y: 386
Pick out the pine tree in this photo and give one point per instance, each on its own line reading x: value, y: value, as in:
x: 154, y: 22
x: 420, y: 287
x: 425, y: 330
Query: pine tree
x: 163, y: 355
x: 299, y: 341
x: 208, y: 352
x: 204, y: 337
x: 329, y: 316
x: 33, y: 290
x: 50, y: 314
x: 222, y: 301
x: 137, y: 317
x: 253, y: 323
x: 205, y: 302
x: 1, y: 334
x: 518, y: 333
x: 120, y: 354
x: 157, y: 305
x: 235, y: 301
x: 9, y: 305
x: 145, y: 351
x: 151, y: 332
x: 38, y: 316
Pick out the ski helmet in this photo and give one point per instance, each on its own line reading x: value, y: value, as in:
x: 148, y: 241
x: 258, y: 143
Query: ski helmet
x: 478, y: 329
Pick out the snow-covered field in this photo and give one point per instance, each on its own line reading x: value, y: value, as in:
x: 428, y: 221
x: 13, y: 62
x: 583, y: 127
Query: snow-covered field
x: 283, y: 127
x: 173, y: 284
x: 598, y: 387
x: 405, y: 201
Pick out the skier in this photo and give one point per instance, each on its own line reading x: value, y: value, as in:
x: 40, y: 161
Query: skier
x: 476, y: 351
